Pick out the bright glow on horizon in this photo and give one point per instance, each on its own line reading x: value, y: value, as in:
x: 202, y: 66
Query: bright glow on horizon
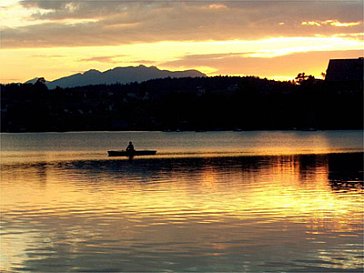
x: 56, y: 62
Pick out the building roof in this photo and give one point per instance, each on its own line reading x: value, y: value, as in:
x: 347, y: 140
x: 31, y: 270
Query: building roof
x: 345, y: 70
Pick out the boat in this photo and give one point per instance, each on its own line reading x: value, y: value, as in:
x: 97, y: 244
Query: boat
x: 131, y: 153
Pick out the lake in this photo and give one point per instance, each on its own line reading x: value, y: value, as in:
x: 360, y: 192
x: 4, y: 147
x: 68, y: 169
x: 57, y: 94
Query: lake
x: 259, y: 201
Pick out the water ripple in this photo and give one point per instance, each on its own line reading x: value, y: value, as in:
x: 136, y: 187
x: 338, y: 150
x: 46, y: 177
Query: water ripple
x: 248, y: 214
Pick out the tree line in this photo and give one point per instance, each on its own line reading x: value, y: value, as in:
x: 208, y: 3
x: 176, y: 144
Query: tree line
x: 206, y: 103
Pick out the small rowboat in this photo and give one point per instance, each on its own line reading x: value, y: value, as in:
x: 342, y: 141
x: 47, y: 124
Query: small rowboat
x: 131, y: 153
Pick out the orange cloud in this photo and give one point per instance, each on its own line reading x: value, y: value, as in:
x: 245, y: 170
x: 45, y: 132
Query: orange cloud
x: 217, y: 6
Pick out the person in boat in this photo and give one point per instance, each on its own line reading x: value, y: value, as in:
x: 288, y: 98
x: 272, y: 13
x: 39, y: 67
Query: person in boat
x: 130, y: 147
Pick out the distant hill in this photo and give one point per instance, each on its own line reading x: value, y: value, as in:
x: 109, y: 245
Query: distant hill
x: 118, y: 75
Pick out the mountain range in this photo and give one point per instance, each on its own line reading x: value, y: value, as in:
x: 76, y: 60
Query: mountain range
x: 121, y: 75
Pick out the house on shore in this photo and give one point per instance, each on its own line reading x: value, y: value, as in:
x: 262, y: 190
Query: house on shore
x: 346, y: 74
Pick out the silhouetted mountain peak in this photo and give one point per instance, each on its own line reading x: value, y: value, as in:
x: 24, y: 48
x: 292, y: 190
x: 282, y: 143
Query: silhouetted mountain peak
x: 120, y: 75
x: 34, y: 80
x: 92, y: 71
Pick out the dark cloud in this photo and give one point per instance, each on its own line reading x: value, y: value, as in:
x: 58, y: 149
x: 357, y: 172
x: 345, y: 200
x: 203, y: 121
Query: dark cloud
x: 53, y: 5
x: 217, y: 10
x: 121, y: 22
x: 102, y: 59
x: 90, y: 9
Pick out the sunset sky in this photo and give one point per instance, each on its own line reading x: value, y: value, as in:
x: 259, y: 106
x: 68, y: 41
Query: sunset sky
x: 273, y: 39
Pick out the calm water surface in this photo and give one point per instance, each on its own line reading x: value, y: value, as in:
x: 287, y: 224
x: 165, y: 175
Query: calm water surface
x: 209, y: 202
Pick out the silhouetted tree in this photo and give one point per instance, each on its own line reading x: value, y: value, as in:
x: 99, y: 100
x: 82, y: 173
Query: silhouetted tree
x: 302, y: 77
x: 40, y: 84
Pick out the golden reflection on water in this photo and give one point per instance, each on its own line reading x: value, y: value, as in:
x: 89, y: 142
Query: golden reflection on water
x: 287, y: 189
x: 61, y: 205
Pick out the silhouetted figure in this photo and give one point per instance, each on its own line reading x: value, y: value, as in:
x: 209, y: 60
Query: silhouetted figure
x: 130, y: 147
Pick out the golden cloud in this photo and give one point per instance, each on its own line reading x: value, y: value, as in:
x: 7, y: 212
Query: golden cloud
x: 335, y: 23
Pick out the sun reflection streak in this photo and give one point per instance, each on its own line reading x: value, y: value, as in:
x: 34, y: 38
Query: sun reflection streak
x: 286, y: 185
